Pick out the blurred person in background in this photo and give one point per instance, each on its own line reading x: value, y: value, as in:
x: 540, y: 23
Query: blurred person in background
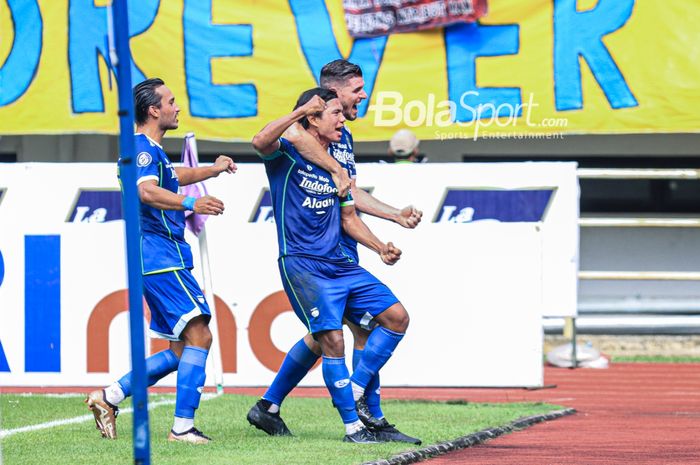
x: 403, y: 147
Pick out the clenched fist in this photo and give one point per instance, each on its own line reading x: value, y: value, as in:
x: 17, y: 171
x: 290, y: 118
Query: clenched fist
x: 314, y: 106
x: 390, y: 254
x: 409, y: 217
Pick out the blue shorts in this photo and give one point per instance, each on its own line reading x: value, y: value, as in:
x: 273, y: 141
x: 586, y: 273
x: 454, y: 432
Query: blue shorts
x: 174, y: 298
x: 323, y: 292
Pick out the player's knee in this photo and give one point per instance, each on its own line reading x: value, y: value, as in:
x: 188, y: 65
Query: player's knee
x: 332, y: 343
x: 206, y: 337
x: 197, y: 334
x: 403, y: 322
x: 400, y: 321
x: 312, y: 344
x: 336, y: 344
x: 201, y: 338
x: 395, y: 318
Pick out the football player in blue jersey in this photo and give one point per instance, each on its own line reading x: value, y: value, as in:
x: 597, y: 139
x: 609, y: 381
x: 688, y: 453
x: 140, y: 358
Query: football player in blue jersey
x: 322, y: 281
x: 179, y: 311
x: 346, y: 80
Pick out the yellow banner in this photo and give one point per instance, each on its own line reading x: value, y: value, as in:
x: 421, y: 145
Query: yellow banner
x: 530, y: 67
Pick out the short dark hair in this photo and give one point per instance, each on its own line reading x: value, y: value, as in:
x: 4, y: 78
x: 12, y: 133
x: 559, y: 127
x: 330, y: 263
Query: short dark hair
x: 338, y: 72
x: 325, y: 94
x: 145, y: 96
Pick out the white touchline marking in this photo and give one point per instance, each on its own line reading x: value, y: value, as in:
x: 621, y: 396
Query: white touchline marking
x: 81, y: 419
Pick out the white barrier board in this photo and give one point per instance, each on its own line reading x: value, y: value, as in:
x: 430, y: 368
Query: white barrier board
x: 475, y: 290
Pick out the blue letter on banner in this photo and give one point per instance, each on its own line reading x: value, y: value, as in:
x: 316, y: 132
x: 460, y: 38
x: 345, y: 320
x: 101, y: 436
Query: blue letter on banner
x: 463, y: 44
x: 87, y: 38
x: 320, y: 47
x: 42, y: 303
x: 4, y: 366
x: 580, y: 34
x: 20, y: 67
x: 2, y: 265
x: 204, y: 41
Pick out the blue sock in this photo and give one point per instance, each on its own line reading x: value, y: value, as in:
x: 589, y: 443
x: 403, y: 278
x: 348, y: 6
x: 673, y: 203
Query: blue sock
x: 372, y: 391
x: 295, y: 366
x: 336, y: 376
x: 380, y: 345
x: 157, y: 366
x: 190, y: 380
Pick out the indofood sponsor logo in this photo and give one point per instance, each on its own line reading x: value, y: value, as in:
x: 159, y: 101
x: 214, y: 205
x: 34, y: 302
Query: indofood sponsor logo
x: 505, y: 205
x: 318, y: 186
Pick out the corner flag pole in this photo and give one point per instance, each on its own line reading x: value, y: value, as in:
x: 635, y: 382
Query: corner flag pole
x: 215, y: 353
x: 142, y: 446
x: 199, y: 228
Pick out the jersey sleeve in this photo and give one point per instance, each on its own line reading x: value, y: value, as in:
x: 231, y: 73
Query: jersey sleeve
x: 275, y: 160
x: 281, y: 150
x: 146, y: 163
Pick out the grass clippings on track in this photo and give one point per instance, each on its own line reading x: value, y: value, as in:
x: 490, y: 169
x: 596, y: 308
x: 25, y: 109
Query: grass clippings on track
x: 316, y: 425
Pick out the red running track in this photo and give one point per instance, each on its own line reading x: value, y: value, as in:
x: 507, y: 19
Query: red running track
x: 628, y: 414
x: 641, y: 414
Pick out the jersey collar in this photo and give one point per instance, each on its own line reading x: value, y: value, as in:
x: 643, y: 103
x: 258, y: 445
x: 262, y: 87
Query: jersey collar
x: 151, y: 140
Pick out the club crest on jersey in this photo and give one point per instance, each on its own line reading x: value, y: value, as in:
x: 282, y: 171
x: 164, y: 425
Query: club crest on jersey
x: 262, y: 213
x: 95, y: 206
x: 504, y: 205
x: 143, y: 159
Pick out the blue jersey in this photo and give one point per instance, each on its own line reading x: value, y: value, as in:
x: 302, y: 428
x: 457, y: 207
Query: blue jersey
x: 342, y: 151
x: 163, y: 246
x: 305, y: 205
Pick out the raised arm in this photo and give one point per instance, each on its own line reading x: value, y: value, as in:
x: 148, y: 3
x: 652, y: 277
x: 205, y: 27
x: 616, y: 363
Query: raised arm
x: 267, y: 140
x: 187, y: 175
x: 163, y: 199
x: 312, y: 151
x: 358, y: 230
x: 408, y: 217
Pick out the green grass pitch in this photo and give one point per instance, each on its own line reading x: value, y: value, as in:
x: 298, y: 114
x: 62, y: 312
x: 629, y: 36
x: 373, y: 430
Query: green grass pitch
x: 316, y: 425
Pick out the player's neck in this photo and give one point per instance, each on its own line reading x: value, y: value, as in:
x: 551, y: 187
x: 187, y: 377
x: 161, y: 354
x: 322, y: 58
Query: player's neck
x: 321, y: 140
x: 152, y: 131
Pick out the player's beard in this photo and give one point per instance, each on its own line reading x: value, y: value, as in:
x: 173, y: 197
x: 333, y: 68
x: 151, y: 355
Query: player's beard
x: 351, y: 113
x: 171, y: 125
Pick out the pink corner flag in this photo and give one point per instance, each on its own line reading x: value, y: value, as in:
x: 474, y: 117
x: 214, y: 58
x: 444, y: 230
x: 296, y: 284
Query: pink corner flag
x: 194, y: 222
